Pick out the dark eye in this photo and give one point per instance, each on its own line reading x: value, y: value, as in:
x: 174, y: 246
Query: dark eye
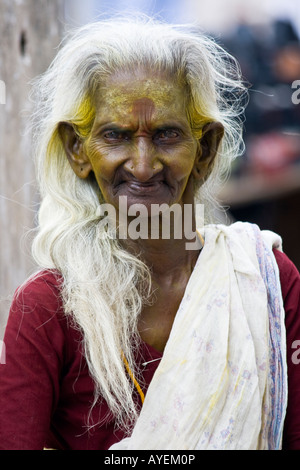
x: 115, y: 136
x: 166, y: 135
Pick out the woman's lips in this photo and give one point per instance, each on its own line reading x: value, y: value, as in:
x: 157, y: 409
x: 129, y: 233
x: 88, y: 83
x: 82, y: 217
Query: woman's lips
x: 144, y: 188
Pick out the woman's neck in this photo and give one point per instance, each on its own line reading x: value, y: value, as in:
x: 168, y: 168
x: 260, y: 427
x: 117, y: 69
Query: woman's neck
x: 167, y: 259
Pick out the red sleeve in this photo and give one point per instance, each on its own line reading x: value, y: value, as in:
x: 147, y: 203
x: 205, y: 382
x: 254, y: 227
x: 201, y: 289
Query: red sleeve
x: 30, y: 376
x: 290, y: 285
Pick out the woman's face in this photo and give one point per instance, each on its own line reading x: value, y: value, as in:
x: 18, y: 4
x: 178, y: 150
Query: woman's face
x: 141, y: 145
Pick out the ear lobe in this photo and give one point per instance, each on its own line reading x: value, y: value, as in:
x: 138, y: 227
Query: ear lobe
x: 212, y: 134
x: 73, y: 146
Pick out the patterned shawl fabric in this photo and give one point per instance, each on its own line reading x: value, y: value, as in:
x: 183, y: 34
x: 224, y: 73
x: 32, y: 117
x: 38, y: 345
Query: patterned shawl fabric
x: 222, y: 380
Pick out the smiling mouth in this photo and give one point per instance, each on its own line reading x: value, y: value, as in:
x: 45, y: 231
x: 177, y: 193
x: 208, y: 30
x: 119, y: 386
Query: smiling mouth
x: 144, y: 188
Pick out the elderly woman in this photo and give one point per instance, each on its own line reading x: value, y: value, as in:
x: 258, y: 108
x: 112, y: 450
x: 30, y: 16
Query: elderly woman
x: 125, y: 340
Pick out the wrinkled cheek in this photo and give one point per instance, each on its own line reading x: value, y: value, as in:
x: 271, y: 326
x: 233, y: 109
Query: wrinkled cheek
x: 102, y: 167
x: 181, y: 173
x: 184, y: 182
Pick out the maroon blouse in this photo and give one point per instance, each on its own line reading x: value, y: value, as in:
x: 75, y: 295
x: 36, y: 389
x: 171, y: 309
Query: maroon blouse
x: 45, y: 388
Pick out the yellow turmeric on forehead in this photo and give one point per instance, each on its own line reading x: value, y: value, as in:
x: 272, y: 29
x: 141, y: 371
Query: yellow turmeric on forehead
x: 162, y: 93
x: 84, y: 117
x: 120, y: 93
x: 197, y: 121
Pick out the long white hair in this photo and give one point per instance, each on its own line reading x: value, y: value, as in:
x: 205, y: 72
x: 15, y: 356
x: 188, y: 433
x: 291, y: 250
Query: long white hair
x: 104, y: 286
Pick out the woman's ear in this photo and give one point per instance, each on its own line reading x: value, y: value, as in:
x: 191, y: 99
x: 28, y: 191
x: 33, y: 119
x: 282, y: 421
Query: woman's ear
x: 212, y: 134
x: 73, y: 146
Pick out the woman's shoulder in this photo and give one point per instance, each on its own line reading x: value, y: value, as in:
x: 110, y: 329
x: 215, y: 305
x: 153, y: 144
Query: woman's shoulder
x: 37, y: 320
x: 289, y: 274
x: 45, y: 285
x: 290, y: 288
x: 43, y: 277
x: 285, y: 264
x: 38, y: 299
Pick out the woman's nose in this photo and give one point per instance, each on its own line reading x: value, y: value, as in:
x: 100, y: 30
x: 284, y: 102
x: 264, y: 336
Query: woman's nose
x: 143, y: 162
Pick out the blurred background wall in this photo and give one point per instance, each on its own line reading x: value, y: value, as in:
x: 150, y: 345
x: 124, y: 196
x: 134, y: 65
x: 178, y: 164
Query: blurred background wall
x: 263, y: 34
x: 30, y: 31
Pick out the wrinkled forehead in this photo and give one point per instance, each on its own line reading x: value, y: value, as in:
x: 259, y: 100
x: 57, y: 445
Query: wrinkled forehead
x: 134, y: 89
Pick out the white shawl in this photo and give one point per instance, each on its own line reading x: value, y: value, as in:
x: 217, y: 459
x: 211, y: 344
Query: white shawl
x: 222, y: 383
